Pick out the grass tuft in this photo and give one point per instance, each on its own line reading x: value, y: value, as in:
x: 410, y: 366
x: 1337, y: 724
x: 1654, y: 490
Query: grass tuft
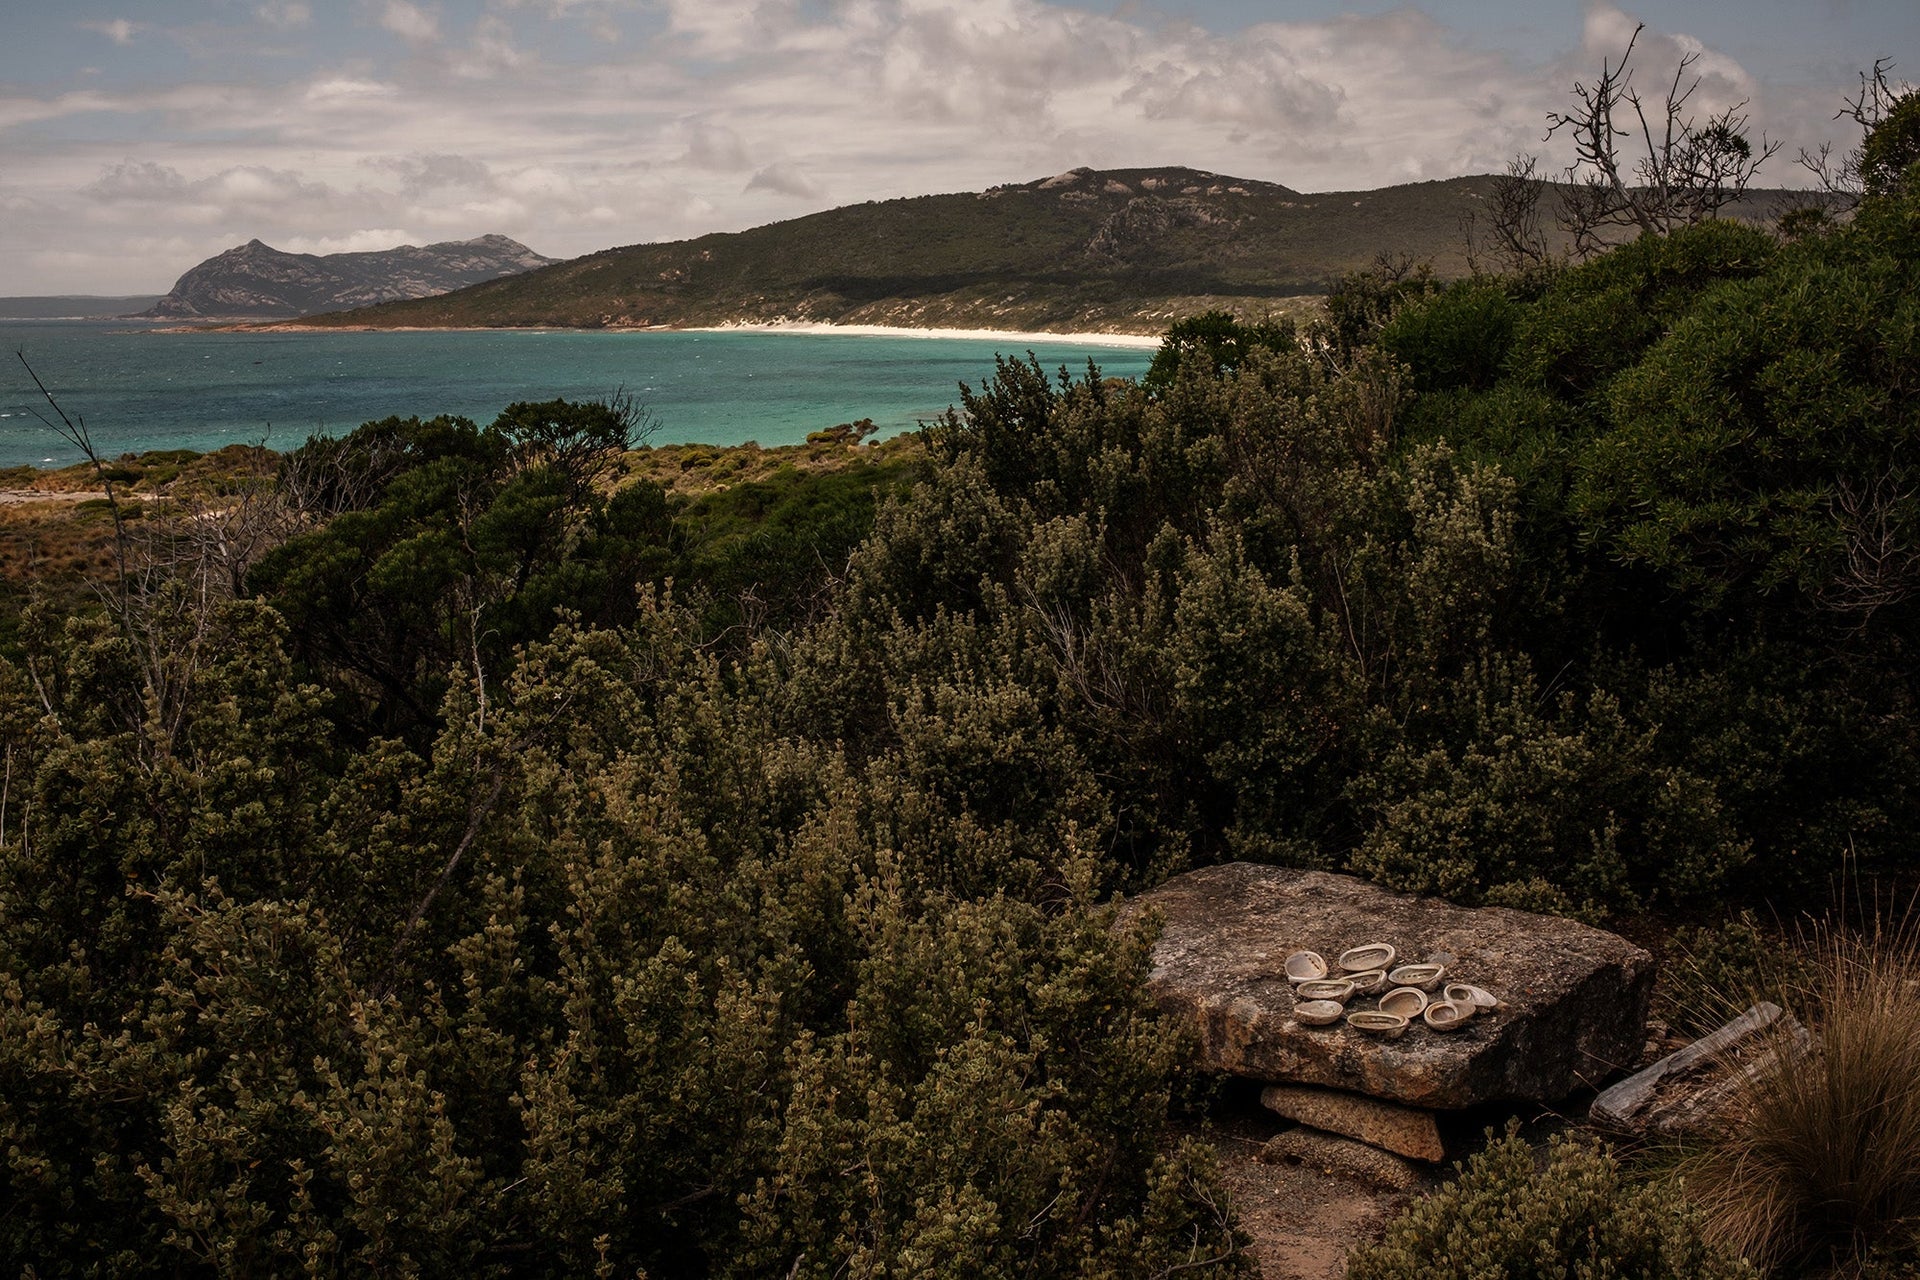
x: 1819, y: 1169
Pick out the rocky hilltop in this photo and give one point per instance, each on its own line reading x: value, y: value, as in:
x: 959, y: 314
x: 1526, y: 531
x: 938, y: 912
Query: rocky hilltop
x: 257, y: 281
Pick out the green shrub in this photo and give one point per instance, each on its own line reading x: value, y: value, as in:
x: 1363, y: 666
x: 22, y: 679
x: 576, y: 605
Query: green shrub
x: 1458, y: 338
x: 1579, y: 1218
x: 1599, y: 318
x: 1717, y: 971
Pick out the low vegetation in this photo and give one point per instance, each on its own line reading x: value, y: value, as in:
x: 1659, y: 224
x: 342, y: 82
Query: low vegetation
x: 485, y: 849
x: 1581, y: 1216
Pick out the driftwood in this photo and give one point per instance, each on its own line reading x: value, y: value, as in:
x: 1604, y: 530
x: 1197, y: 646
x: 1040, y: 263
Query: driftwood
x: 1694, y: 1088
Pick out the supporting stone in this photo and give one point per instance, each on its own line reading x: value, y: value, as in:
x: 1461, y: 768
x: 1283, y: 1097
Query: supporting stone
x: 1407, y: 1131
x: 1343, y: 1158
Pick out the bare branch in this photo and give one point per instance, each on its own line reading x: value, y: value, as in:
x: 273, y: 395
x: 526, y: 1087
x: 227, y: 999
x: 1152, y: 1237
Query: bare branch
x: 1687, y: 170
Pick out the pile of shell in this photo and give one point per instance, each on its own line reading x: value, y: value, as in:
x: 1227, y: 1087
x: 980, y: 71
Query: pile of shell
x: 1369, y: 971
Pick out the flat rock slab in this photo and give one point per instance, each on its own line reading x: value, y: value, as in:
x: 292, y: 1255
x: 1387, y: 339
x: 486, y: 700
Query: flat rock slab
x: 1576, y: 996
x: 1408, y: 1131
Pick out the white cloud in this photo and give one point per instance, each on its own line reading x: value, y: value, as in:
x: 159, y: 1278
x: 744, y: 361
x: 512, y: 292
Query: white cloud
x: 352, y: 242
x: 119, y: 30
x: 410, y: 22
x: 347, y: 91
x: 784, y: 179
x: 420, y: 174
x: 714, y: 146
x: 286, y: 14
x: 734, y: 113
x: 137, y: 180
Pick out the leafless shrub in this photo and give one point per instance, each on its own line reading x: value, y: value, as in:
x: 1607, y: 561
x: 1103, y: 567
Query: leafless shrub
x: 1842, y: 178
x: 1685, y: 170
x: 1517, y: 238
x: 1882, y: 565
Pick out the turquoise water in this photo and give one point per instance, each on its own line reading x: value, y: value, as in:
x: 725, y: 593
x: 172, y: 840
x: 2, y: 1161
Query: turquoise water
x: 141, y: 389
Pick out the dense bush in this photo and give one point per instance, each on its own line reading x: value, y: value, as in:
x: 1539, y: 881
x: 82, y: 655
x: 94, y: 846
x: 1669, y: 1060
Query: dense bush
x: 1579, y: 1218
x: 518, y: 872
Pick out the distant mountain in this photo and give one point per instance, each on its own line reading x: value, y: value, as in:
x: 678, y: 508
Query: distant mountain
x: 1122, y: 250
x: 257, y: 281
x: 72, y: 307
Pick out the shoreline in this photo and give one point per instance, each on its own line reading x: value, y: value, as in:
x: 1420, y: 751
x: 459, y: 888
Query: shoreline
x: 799, y: 328
x: 811, y: 328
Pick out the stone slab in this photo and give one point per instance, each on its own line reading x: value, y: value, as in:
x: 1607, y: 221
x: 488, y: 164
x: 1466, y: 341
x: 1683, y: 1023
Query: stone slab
x: 1692, y: 1090
x: 1344, y: 1158
x: 1407, y: 1131
x: 1576, y: 997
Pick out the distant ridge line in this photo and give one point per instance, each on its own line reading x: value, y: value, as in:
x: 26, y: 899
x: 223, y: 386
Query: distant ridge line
x: 1084, y: 251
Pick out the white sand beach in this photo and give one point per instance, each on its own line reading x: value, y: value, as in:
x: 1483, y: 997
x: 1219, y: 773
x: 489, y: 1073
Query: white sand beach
x: 895, y: 331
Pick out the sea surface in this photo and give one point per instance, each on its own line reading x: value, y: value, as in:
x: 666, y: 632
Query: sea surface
x: 137, y: 388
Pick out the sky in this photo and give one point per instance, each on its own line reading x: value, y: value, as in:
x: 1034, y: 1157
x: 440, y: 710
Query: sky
x: 138, y: 138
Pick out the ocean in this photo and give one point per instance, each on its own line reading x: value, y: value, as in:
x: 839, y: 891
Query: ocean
x: 138, y: 388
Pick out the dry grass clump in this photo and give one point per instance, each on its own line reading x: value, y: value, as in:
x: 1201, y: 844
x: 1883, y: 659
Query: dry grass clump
x: 1819, y: 1170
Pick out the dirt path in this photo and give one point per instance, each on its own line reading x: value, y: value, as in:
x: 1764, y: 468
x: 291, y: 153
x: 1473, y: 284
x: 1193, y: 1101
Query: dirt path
x: 1303, y: 1222
x: 18, y: 497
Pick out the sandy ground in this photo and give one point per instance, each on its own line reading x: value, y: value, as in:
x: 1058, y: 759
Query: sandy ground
x: 794, y: 326
x: 894, y: 331
x: 1302, y: 1222
x: 19, y: 497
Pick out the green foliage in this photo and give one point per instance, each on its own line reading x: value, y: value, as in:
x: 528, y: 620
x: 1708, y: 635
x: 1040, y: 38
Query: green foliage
x: 1719, y: 970
x: 1597, y: 319
x: 1217, y: 341
x: 1457, y: 337
x: 1580, y: 1217
x: 1891, y: 149
x: 543, y: 874
x: 1362, y: 303
x: 1765, y: 437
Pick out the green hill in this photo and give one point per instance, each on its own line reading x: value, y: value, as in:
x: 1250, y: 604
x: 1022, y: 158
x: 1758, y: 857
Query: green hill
x: 1120, y: 250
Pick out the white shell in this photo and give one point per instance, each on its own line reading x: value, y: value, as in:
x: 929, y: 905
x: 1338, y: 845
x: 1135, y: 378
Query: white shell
x: 1372, y: 955
x: 1368, y: 982
x: 1424, y: 976
x: 1305, y: 966
x: 1318, y: 1013
x: 1404, y: 1002
x: 1445, y: 1015
x: 1480, y: 996
x: 1376, y: 1023
x: 1337, y: 990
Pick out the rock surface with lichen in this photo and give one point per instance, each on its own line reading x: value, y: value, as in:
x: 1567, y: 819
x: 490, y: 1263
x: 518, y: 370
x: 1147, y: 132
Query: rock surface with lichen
x: 1575, y: 996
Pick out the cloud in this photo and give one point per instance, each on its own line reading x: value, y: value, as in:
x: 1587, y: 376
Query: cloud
x: 727, y: 28
x: 714, y: 146
x: 1606, y: 32
x: 119, y: 30
x: 137, y: 180
x: 16, y: 111
x: 723, y: 114
x: 783, y: 179
x: 334, y: 91
x: 352, y: 242
x: 410, y: 22
x: 420, y: 174
x: 285, y: 14
x: 492, y: 52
